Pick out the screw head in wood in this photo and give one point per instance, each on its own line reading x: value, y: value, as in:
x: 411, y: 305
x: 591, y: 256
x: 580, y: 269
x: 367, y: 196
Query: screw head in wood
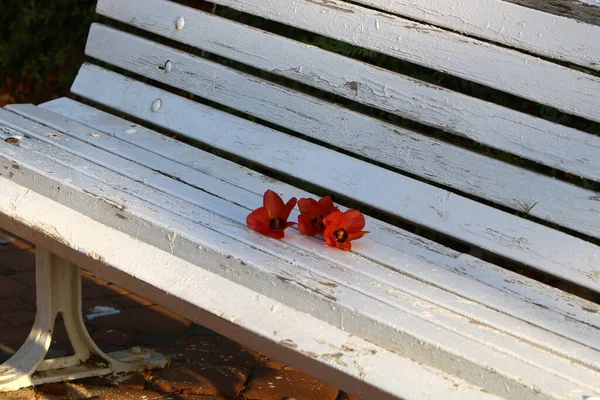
x: 180, y: 23
x: 156, y: 105
x: 168, y: 66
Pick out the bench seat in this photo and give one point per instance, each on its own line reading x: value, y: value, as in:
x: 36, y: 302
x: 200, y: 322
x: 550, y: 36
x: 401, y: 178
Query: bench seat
x: 480, y: 275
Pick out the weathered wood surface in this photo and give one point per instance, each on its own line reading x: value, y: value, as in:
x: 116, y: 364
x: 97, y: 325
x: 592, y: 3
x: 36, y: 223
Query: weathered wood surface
x: 533, y: 138
x: 501, y: 22
x: 583, y: 10
x: 490, y: 65
x: 469, y: 221
x: 351, y: 301
x: 254, y: 320
x: 406, y: 150
x: 463, y: 275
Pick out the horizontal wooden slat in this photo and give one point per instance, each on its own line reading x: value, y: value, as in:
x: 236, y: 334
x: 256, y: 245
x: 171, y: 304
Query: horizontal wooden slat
x: 471, y: 222
x: 431, y: 159
x: 560, y: 379
x: 467, y: 58
x: 550, y: 144
x: 535, y: 31
x: 226, y: 180
x: 251, y: 319
x: 461, y: 274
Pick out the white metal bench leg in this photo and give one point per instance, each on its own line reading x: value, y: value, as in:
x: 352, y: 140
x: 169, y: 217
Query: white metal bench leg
x: 58, y: 287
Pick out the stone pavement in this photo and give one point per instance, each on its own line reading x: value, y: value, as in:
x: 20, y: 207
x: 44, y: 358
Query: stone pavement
x: 204, y: 365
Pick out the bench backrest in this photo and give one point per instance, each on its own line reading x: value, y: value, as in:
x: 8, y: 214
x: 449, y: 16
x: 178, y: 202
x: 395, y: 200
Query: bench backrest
x: 474, y: 122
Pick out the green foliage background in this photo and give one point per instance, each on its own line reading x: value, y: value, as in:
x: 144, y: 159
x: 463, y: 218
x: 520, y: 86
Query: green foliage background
x: 43, y: 40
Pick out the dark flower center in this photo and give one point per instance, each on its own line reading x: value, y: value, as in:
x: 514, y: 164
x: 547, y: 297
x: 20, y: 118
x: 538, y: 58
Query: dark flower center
x: 340, y: 235
x: 277, y: 223
x: 317, y: 223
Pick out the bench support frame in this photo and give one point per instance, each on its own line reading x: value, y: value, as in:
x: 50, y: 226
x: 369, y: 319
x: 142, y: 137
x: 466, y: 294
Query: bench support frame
x: 58, y: 287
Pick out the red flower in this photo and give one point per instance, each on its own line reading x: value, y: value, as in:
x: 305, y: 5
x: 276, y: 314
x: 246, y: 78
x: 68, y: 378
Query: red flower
x: 312, y: 212
x: 271, y: 218
x: 341, y: 228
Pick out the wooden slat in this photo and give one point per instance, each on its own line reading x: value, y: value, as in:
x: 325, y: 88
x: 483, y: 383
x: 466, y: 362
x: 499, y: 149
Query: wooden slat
x: 550, y: 144
x: 499, y: 21
x: 499, y: 68
x: 251, y: 319
x: 471, y: 222
x: 225, y: 180
x: 409, y: 151
x: 463, y: 275
x: 556, y: 382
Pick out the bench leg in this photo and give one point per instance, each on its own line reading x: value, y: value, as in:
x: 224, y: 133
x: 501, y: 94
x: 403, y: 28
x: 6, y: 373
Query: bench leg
x: 58, y: 287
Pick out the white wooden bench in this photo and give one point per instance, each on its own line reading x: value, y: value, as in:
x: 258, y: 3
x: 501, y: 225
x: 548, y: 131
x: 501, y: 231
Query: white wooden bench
x: 433, y: 303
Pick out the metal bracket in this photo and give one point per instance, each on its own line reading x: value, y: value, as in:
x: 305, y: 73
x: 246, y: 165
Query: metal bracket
x: 58, y: 288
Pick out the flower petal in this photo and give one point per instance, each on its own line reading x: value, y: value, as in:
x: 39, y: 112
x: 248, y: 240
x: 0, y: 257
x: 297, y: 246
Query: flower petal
x: 335, y: 220
x: 289, y: 206
x: 328, y: 235
x: 309, y: 206
x: 258, y: 220
x: 276, y: 233
x: 354, y: 222
x: 327, y: 206
x: 274, y: 204
x: 305, y: 224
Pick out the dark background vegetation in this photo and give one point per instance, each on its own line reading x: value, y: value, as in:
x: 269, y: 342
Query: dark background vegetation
x: 41, y: 47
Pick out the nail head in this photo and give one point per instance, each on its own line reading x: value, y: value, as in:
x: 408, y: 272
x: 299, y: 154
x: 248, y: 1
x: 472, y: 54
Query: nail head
x: 180, y: 23
x: 156, y: 105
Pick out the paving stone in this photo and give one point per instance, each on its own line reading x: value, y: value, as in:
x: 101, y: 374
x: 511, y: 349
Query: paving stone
x: 16, y: 260
x: 10, y: 304
x: 158, y: 339
x: 272, y: 384
x: 135, y: 381
x: 348, y: 396
x: 56, y: 353
x: 201, y: 379
x: 114, y: 336
x: 20, y: 318
x: 153, y: 318
x: 14, y: 336
x: 10, y: 287
x: 199, y: 330
x: 27, y: 278
x: 23, y: 394
x: 109, y: 348
x: 131, y: 301
x: 92, y: 293
x: 78, y: 391
x: 216, y: 350
x: 52, y: 389
x: 60, y: 337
